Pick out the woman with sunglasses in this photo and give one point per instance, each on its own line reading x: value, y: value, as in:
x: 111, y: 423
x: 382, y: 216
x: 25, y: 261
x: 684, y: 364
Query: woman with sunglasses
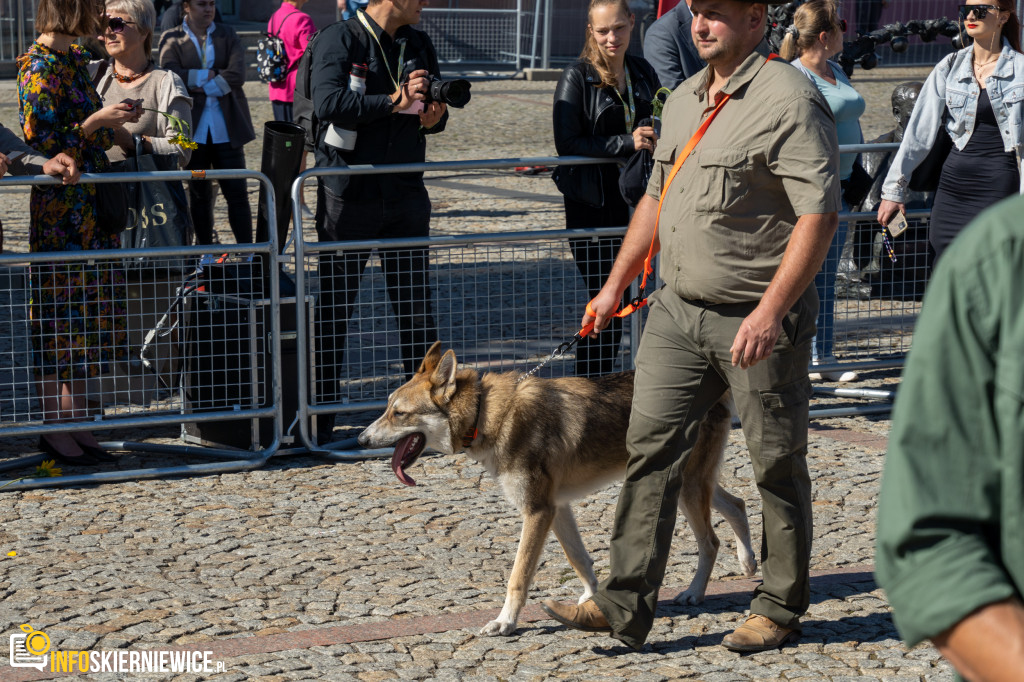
x: 816, y: 35
x: 131, y: 74
x: 976, y: 96
x: 77, y: 318
x: 210, y: 59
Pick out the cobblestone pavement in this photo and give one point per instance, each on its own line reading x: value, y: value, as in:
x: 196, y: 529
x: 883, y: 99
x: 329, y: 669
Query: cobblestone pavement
x: 313, y: 570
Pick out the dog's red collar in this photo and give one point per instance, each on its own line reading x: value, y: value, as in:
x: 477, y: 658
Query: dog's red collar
x: 470, y: 435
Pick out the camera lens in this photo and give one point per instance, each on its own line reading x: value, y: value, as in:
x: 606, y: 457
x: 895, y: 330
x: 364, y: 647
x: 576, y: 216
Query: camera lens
x: 453, y: 93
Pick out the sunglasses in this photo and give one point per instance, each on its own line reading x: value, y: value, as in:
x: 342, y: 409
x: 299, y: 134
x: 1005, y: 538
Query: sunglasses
x: 117, y: 24
x: 842, y: 25
x: 980, y: 11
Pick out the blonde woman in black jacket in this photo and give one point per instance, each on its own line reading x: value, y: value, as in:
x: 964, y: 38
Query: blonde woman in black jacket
x: 599, y: 102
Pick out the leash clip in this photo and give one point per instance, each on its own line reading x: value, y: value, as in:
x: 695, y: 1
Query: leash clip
x: 566, y: 346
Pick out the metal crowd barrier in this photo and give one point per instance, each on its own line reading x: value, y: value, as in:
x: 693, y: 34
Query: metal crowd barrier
x: 501, y: 301
x: 505, y: 301
x: 201, y: 347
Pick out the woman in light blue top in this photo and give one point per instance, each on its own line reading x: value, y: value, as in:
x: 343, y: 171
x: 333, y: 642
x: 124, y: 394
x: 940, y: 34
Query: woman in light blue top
x: 816, y: 35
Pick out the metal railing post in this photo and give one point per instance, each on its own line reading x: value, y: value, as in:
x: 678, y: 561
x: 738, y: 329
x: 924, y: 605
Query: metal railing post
x: 546, y: 61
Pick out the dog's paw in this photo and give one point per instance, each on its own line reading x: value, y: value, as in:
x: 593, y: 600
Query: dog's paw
x: 497, y: 628
x: 747, y: 562
x: 585, y: 597
x: 691, y: 597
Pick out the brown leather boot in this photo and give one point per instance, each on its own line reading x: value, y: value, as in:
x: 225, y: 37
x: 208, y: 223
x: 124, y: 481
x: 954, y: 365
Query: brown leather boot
x: 585, y: 616
x: 758, y: 633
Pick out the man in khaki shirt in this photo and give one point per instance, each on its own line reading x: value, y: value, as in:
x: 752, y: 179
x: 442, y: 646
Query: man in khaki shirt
x: 744, y: 227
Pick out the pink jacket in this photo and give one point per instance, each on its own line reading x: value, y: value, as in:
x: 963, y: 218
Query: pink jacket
x: 294, y: 31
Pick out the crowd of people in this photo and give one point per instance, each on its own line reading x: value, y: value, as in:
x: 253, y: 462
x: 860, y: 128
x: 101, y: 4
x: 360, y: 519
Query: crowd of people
x: 748, y: 233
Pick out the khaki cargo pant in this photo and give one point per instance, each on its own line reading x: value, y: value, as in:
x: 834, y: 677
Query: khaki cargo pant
x: 682, y: 368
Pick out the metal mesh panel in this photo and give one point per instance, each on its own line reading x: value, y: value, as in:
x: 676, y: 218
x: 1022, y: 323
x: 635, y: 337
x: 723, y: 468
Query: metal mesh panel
x: 134, y: 337
x: 878, y: 294
x: 473, y: 35
x: 501, y: 306
x: 16, y: 27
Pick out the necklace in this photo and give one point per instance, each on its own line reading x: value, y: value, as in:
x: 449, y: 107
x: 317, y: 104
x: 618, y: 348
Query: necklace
x: 133, y: 77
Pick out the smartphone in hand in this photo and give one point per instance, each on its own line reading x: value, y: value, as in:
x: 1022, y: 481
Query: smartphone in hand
x: 898, y: 224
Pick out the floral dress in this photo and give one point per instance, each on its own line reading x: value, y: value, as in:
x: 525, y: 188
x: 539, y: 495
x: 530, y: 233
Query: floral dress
x: 77, y: 309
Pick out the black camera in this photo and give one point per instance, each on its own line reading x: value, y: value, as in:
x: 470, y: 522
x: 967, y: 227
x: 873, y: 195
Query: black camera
x: 453, y: 93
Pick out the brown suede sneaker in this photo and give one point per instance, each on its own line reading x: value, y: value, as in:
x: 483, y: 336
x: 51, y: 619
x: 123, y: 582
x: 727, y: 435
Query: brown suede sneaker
x: 585, y: 616
x: 758, y: 633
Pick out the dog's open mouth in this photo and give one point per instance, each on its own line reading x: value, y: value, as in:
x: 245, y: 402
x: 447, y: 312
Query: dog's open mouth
x: 407, y: 451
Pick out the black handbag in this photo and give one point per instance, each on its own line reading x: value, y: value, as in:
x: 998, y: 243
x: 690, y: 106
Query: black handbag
x: 925, y: 177
x: 634, y: 176
x: 857, y: 185
x: 112, y: 207
x: 160, y: 215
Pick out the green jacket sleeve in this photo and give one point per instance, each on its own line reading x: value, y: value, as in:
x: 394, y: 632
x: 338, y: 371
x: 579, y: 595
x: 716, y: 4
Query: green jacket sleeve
x: 941, y: 508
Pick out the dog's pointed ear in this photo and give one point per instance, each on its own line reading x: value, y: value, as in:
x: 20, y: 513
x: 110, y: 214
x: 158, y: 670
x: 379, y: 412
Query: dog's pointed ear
x: 443, y: 379
x: 431, y: 359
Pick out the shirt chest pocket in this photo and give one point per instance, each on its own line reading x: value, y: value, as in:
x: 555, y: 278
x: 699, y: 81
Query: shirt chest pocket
x: 956, y: 105
x: 721, y: 178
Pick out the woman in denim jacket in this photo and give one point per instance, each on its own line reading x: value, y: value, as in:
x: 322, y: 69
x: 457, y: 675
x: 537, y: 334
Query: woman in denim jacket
x: 978, y: 97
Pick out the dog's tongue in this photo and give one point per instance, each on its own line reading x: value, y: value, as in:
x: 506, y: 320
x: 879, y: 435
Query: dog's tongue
x: 408, y: 446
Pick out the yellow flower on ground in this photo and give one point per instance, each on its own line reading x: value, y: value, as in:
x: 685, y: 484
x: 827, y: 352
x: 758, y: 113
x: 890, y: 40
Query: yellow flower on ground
x: 12, y: 554
x: 48, y: 469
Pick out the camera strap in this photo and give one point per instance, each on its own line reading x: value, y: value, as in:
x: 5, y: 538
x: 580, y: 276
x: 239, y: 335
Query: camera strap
x: 383, y: 56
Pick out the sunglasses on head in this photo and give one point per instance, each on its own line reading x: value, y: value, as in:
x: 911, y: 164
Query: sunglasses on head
x: 980, y: 11
x: 117, y: 24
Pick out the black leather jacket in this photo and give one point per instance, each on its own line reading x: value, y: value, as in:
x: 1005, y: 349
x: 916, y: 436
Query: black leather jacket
x: 586, y: 125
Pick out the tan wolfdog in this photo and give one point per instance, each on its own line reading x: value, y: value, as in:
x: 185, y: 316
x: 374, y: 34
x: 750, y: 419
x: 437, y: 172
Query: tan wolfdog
x: 548, y: 442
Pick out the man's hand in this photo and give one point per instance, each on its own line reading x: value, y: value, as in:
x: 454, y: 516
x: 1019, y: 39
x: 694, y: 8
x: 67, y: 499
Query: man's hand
x: 4, y: 164
x: 756, y: 338
x: 432, y: 114
x: 412, y: 90
x: 602, y: 309
x: 64, y: 167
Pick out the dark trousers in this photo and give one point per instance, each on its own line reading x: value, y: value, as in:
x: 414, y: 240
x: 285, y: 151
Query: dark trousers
x: 200, y: 193
x: 684, y: 367
x: 406, y: 275
x: 594, y: 259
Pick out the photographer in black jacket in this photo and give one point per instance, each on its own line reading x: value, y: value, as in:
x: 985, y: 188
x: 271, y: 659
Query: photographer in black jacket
x: 379, y: 126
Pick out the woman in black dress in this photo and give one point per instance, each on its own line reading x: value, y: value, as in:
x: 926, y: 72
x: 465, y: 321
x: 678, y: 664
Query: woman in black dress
x: 599, y: 103
x: 976, y: 96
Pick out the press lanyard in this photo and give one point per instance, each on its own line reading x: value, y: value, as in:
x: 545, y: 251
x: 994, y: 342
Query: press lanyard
x: 383, y: 56
x: 630, y: 108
